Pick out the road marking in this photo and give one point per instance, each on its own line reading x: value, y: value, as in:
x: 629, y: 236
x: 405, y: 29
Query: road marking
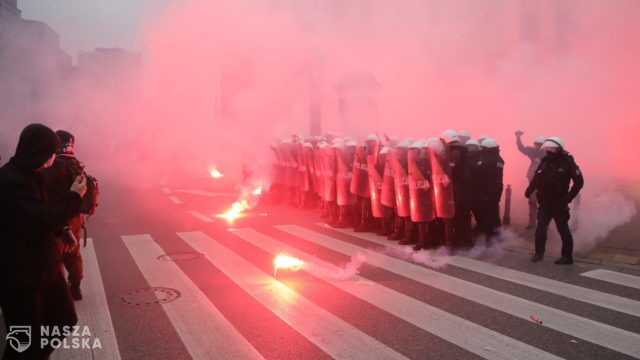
x: 598, y: 298
x: 200, y: 216
x: 207, y: 193
x: 614, y: 277
x: 333, y: 335
x: 598, y: 333
x: 93, y: 312
x: 175, y: 200
x: 451, y: 328
x: 204, y: 330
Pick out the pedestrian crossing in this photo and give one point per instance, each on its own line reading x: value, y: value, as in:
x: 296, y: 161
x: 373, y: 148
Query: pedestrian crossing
x: 614, y: 277
x: 208, y: 333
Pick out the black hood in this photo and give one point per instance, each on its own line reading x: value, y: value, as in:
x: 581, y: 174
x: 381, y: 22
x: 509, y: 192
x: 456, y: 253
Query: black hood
x: 36, y: 145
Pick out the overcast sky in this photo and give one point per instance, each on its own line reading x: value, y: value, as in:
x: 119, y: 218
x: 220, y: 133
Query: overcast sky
x: 86, y: 24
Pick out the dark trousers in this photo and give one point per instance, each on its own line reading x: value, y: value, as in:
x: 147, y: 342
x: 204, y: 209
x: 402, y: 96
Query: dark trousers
x: 533, y: 209
x: 487, y: 215
x: 560, y: 215
x: 71, y: 257
x: 50, y: 305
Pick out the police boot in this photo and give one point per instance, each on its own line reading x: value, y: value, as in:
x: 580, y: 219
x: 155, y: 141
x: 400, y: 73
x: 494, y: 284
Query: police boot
x: 333, y: 213
x: 76, y: 293
x: 343, y: 218
x: 364, y: 223
x: 411, y: 236
x: 423, y: 237
x: 324, y: 210
x: 385, y: 226
x: 398, y: 229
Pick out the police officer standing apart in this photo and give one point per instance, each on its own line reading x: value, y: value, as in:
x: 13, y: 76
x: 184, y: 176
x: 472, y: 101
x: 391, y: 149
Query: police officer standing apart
x: 59, y: 177
x: 551, y: 182
x: 534, y: 153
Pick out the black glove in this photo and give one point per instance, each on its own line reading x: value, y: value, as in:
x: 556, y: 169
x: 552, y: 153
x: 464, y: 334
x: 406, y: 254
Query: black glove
x: 567, y: 199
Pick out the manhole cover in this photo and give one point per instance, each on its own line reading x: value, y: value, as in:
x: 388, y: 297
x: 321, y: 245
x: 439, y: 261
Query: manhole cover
x: 180, y: 256
x: 149, y: 296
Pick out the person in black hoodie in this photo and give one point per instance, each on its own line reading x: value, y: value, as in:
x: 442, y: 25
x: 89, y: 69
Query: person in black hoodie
x: 551, y: 182
x: 33, y: 291
x: 485, y: 172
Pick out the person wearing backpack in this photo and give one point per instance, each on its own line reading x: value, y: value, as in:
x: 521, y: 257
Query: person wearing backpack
x: 59, y: 177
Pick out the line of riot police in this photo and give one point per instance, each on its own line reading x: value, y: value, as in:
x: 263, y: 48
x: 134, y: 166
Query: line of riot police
x: 426, y: 192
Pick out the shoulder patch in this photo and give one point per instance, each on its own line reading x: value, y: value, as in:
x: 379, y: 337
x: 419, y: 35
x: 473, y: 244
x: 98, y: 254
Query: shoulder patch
x: 500, y: 164
x: 578, y: 172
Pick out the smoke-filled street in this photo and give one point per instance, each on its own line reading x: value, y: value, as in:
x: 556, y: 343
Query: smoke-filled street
x: 319, y: 179
x: 357, y: 295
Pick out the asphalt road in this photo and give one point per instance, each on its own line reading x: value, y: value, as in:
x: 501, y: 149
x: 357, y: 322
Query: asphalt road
x: 358, y: 296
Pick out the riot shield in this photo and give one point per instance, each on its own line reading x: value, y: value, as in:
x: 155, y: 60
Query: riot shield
x: 311, y: 168
x: 441, y: 179
x: 359, y: 179
x: 329, y: 178
x: 343, y: 177
x: 317, y: 161
x: 420, y: 189
x: 388, y: 192
x: 374, y: 175
x: 400, y: 181
x: 301, y: 165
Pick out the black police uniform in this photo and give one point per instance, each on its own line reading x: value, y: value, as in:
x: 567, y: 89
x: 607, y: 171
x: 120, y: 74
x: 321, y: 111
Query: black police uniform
x: 462, y: 217
x: 485, y: 171
x: 551, y: 182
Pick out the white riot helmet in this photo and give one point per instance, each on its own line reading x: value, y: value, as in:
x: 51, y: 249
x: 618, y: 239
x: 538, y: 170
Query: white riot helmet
x: 483, y: 137
x: 351, y: 143
x: 384, y: 150
x: 435, y: 144
x: 489, y: 143
x: 338, y: 145
x: 464, y: 136
x: 419, y: 144
x: 403, y: 144
x: 553, y: 142
x: 371, y: 137
x: 473, y: 145
x: 449, y: 136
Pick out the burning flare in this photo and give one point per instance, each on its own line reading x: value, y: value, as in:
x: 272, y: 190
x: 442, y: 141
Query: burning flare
x: 283, y: 261
x: 215, y: 173
x: 257, y: 191
x: 236, y: 211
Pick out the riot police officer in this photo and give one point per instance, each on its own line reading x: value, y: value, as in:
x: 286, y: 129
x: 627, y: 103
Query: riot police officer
x: 486, y: 170
x: 551, y: 181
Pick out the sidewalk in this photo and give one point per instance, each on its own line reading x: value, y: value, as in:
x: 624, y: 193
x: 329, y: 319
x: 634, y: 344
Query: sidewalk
x: 621, y: 247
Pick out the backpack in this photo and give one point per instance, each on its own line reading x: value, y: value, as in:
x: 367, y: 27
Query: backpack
x: 89, y: 202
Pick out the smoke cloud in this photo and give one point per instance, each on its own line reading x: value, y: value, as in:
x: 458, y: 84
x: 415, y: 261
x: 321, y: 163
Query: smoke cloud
x: 222, y: 79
